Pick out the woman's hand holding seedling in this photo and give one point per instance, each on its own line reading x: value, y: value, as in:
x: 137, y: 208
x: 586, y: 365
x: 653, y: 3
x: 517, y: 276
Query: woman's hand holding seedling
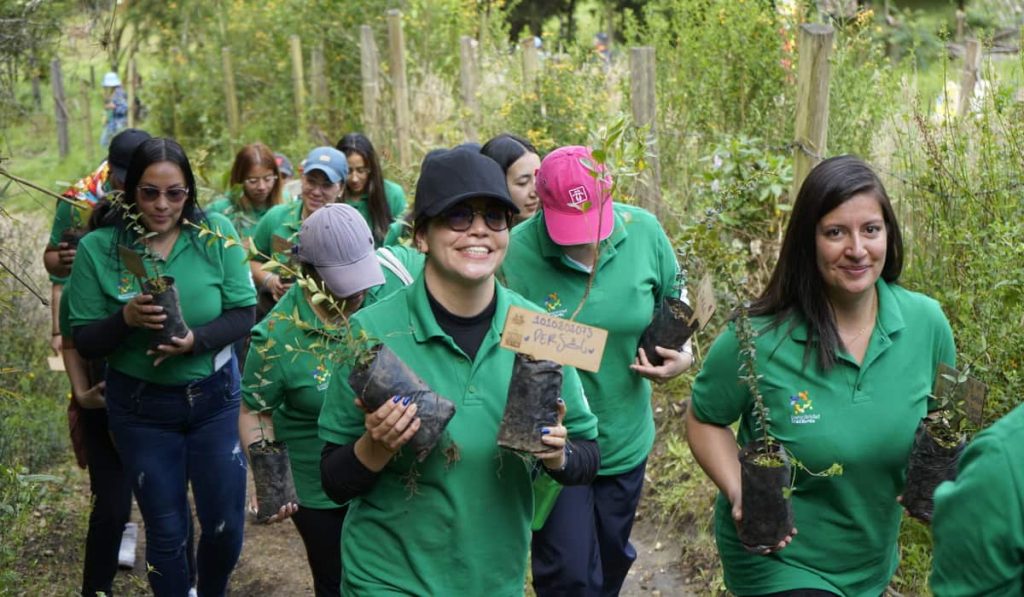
x: 140, y: 312
x: 387, y: 429
x: 736, y: 499
x: 554, y: 436
x: 66, y: 252
x: 277, y: 287
x: 286, y: 510
x: 676, y: 361
x: 178, y: 346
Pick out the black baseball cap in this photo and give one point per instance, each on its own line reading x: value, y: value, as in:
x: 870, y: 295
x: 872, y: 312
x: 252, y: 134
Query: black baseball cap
x: 449, y: 176
x: 122, y: 146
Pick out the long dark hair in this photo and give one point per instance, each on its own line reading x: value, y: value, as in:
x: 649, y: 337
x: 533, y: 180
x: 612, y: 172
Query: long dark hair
x: 161, y: 149
x: 376, y: 200
x: 506, y: 149
x: 796, y: 287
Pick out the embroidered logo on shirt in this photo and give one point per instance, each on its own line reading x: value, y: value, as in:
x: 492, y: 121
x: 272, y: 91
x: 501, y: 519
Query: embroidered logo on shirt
x: 321, y: 375
x: 125, y: 287
x: 553, y: 305
x: 802, y: 404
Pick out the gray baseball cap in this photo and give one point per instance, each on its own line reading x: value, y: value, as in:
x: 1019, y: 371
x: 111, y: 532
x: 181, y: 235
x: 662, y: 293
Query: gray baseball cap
x: 336, y: 240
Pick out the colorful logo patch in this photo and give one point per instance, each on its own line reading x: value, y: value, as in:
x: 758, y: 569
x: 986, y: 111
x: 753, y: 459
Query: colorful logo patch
x: 802, y: 405
x: 552, y: 302
x: 321, y: 375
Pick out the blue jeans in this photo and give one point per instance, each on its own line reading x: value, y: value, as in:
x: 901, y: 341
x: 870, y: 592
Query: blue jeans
x: 584, y: 549
x: 168, y: 437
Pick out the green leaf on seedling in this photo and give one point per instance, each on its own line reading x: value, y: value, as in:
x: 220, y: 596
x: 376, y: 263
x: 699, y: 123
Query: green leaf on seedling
x: 787, y: 492
x: 270, y: 266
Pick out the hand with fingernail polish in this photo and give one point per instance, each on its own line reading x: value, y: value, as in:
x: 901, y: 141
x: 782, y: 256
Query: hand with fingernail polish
x: 554, y: 436
x: 387, y: 429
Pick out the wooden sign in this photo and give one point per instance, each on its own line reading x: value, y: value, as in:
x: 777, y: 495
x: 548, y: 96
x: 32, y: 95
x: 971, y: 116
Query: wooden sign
x: 132, y: 261
x: 544, y: 336
x: 706, y: 304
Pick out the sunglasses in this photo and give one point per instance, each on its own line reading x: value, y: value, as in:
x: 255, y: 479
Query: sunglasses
x: 460, y: 218
x: 255, y: 180
x: 173, y: 194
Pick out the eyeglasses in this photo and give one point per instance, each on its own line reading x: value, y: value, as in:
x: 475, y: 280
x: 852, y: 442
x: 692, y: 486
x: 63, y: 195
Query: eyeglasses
x: 173, y: 194
x: 361, y: 171
x: 255, y: 180
x: 460, y: 218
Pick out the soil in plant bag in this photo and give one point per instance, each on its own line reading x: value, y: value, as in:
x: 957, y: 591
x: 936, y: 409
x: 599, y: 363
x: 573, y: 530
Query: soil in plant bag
x: 931, y: 463
x: 385, y: 377
x: 767, y: 510
x: 272, y: 475
x: 670, y: 328
x: 174, y: 325
x: 532, y: 403
x: 71, y: 236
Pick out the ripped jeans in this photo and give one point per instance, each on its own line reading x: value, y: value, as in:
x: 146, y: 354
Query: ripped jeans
x: 172, y: 436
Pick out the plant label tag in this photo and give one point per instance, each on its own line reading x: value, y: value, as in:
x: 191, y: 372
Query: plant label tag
x: 280, y: 244
x: 55, y: 363
x: 544, y: 336
x: 967, y: 393
x: 132, y: 261
x: 706, y: 304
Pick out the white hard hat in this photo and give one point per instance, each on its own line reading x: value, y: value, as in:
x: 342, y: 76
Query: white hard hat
x: 111, y: 80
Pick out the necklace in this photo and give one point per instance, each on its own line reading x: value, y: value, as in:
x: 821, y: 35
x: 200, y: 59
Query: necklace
x: 869, y: 324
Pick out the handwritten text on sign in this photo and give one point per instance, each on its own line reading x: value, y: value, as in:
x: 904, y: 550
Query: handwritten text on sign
x: 555, y: 339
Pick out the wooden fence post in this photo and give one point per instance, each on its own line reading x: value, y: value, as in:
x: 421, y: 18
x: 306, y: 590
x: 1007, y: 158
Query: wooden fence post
x: 969, y: 78
x: 60, y: 107
x: 90, y: 141
x: 531, y: 63
x: 396, y: 47
x: 318, y: 80
x: 298, y: 85
x: 961, y: 22
x: 131, y: 92
x: 230, y: 98
x: 369, y: 66
x: 468, y: 81
x: 644, y: 102
x: 815, y: 46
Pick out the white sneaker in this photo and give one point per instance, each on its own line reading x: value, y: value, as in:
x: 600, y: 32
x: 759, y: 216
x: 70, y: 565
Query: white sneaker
x: 192, y: 592
x: 126, y: 555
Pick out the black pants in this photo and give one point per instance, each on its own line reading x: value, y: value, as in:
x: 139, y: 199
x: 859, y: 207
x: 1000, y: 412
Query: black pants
x: 320, y: 530
x: 111, y: 504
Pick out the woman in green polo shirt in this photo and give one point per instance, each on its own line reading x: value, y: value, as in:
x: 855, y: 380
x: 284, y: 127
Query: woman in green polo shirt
x: 583, y: 548
x: 846, y: 359
x: 458, y: 522
x: 172, y: 409
x: 520, y: 160
x: 255, y: 188
x: 323, y: 174
x: 381, y: 201
x: 286, y: 376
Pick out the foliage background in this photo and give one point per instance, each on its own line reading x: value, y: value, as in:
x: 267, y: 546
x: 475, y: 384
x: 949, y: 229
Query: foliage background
x: 726, y: 94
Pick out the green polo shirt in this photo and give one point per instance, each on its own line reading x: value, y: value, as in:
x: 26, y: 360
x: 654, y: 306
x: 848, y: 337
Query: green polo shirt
x: 399, y: 233
x: 978, y: 526
x: 409, y: 258
x: 466, y: 528
x: 860, y: 416
x: 393, y: 194
x: 635, y: 269
x: 243, y: 221
x: 284, y: 379
x: 284, y: 220
x: 210, y: 279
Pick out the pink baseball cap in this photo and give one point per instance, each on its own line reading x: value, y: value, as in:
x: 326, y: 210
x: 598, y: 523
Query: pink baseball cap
x: 577, y: 206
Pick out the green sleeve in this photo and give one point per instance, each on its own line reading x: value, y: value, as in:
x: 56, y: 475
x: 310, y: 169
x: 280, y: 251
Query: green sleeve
x: 668, y: 267
x: 87, y: 303
x: 579, y: 421
x: 718, y: 397
x: 262, y: 387
x: 978, y: 525
x: 61, y: 222
x: 262, y: 235
x: 340, y: 421
x: 238, y: 289
x: 395, y: 197
x: 395, y: 232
